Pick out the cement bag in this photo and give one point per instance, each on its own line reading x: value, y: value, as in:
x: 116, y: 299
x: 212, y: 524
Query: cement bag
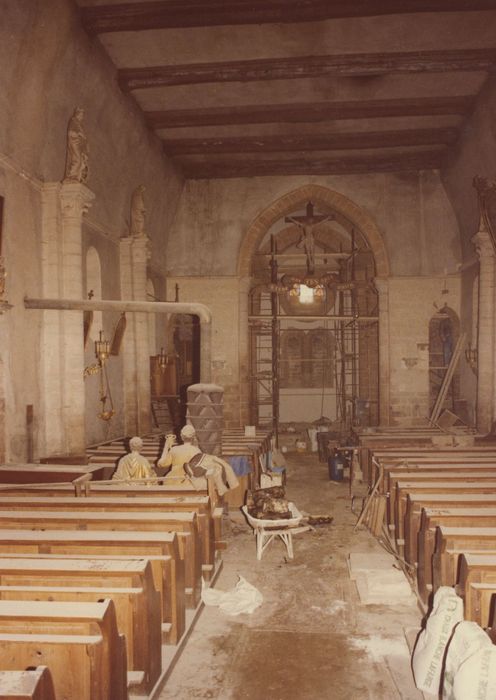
x: 468, y: 638
x: 470, y: 665
x: 428, y: 655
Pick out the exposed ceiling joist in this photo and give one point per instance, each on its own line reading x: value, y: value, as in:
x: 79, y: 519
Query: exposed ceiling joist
x: 308, y: 67
x: 241, y: 167
x: 313, y: 112
x: 312, y: 142
x: 137, y: 16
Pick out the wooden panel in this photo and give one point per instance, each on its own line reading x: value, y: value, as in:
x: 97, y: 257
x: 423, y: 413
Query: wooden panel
x: 309, y: 112
x: 134, y: 16
x: 307, y: 67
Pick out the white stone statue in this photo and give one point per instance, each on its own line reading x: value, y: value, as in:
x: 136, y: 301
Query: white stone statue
x: 138, y: 212
x: 76, y: 163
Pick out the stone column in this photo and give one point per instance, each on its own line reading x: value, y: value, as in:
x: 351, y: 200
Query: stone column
x: 382, y: 286
x: 134, y: 254
x: 75, y: 200
x: 62, y: 424
x: 485, y: 340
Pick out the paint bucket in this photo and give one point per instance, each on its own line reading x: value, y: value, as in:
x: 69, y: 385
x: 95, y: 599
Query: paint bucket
x: 301, y: 446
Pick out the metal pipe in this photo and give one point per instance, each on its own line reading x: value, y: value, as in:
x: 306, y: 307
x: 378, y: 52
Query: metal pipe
x: 149, y: 307
x: 316, y: 318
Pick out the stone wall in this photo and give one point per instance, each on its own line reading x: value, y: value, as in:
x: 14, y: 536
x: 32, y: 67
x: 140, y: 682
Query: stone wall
x: 50, y: 66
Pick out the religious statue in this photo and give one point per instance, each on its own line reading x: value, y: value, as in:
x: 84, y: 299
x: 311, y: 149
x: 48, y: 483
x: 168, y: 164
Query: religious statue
x: 138, y: 212
x: 134, y: 465
x: 76, y: 164
x: 307, y: 224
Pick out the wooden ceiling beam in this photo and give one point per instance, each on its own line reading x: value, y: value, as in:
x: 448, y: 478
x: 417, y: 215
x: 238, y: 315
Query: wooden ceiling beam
x: 311, y: 112
x: 312, y: 142
x: 240, y: 167
x: 160, y: 14
x: 364, y: 64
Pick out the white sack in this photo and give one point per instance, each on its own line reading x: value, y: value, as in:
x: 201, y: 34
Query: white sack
x: 468, y: 639
x: 428, y: 655
x: 470, y: 665
x: 243, y: 598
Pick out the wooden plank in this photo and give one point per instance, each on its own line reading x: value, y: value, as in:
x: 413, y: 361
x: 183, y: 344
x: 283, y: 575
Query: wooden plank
x: 32, y: 473
x: 162, y: 14
x: 313, y: 112
x: 56, y: 630
x: 36, y: 684
x: 294, y: 67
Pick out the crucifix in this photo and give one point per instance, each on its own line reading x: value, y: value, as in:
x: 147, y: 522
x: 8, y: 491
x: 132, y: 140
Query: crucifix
x: 307, y: 224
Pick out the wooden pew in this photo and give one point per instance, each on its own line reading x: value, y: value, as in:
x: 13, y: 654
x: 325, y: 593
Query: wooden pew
x: 161, y: 548
x: 477, y: 586
x: 46, y: 473
x: 430, y: 520
x: 35, y: 684
x: 120, y: 490
x: 128, y: 583
x: 79, y: 642
x: 442, y: 487
x: 415, y: 502
x: 197, y: 504
x: 450, y: 542
x: 185, y: 524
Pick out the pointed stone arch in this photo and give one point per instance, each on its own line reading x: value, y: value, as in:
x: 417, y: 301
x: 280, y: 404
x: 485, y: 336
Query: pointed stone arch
x: 326, y: 199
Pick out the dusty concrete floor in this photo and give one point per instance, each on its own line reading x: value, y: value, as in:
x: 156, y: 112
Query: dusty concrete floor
x: 311, y: 639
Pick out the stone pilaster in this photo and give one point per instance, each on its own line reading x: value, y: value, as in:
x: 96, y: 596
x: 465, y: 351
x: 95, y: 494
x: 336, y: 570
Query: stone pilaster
x: 62, y: 425
x: 244, y: 351
x: 382, y: 286
x: 134, y: 254
x: 486, y: 327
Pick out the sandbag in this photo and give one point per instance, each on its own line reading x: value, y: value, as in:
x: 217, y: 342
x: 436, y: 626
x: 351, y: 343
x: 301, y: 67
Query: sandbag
x: 429, y: 652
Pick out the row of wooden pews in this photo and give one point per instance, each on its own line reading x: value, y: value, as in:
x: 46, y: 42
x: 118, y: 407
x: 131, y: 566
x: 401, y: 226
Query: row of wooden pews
x: 441, y: 517
x: 100, y: 584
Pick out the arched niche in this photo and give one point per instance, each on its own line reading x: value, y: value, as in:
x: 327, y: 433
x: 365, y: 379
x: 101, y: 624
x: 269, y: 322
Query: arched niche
x: 444, y: 331
x: 93, y: 320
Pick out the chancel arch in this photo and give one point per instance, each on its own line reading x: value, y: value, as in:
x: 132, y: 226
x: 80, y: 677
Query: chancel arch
x: 312, y: 258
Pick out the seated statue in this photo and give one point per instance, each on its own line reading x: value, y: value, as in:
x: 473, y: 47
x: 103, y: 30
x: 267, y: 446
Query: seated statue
x: 175, y: 456
x: 134, y: 465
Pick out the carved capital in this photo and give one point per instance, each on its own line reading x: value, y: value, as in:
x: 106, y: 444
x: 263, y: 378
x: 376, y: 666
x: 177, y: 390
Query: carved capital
x: 75, y: 199
x: 483, y: 244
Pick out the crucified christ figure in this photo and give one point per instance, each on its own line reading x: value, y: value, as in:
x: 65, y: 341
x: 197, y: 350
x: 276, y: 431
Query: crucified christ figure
x: 307, y: 224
